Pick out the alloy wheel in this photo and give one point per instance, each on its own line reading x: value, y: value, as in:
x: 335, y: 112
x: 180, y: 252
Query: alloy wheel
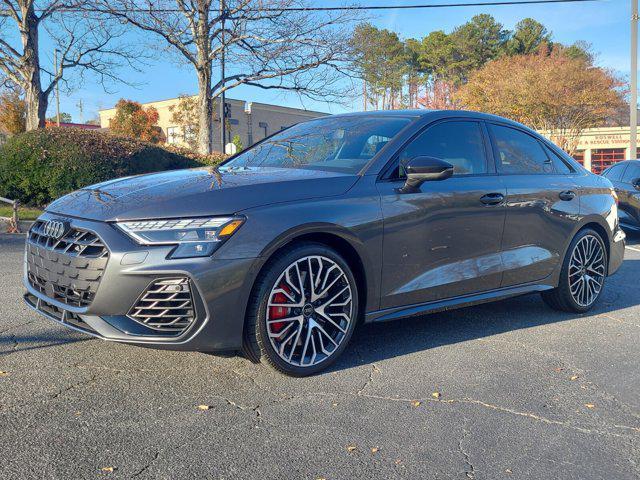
x: 587, y: 270
x: 310, y: 310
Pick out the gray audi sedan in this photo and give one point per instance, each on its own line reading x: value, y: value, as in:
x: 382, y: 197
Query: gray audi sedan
x: 285, y: 248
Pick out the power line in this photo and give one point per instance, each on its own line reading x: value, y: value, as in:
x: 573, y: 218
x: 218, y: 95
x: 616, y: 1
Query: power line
x: 336, y: 9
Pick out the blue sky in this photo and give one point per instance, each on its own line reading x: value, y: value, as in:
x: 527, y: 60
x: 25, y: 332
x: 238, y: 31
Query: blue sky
x: 605, y: 24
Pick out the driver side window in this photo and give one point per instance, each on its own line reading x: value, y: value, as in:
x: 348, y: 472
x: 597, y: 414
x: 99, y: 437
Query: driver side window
x: 461, y: 143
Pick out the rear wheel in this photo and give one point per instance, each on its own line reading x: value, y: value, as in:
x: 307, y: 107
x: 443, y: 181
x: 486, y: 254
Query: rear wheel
x: 583, y: 274
x: 302, y: 311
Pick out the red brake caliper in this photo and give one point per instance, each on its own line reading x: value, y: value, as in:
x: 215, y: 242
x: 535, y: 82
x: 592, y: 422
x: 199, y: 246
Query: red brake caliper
x: 279, y: 312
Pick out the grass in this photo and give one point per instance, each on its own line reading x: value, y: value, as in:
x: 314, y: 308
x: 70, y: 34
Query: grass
x: 24, y: 213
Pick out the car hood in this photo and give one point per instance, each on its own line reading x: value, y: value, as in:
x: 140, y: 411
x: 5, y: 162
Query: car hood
x: 198, y: 192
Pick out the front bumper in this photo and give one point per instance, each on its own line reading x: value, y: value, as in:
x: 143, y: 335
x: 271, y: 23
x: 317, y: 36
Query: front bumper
x: 220, y: 291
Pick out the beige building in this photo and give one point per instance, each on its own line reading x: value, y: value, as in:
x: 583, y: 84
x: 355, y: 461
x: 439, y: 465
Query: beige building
x: 600, y: 147
x: 252, y: 121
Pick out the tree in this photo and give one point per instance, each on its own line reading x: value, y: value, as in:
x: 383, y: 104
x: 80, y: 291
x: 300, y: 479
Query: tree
x: 13, y: 112
x: 381, y: 61
x: 85, y: 41
x: 547, y: 91
x: 185, y: 116
x: 64, y: 118
x: 478, y: 41
x: 135, y: 121
x: 528, y: 36
x: 270, y: 45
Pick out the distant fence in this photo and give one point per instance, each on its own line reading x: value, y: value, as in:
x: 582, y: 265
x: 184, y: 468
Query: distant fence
x: 14, y: 226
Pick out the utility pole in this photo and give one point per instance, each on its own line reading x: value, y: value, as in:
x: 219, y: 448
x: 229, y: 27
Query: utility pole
x: 633, y: 113
x: 81, y: 110
x: 223, y: 117
x: 55, y: 60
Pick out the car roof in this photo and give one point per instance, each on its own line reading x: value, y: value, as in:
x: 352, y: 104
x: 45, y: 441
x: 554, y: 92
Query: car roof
x: 435, y: 114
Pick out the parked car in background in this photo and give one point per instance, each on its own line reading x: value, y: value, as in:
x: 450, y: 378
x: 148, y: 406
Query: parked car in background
x: 284, y: 248
x: 625, y: 177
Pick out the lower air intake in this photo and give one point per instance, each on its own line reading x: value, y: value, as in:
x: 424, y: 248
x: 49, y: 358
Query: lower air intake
x: 166, y: 305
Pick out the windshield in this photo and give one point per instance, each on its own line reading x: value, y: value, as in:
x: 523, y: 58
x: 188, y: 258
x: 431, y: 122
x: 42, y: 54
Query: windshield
x: 341, y: 144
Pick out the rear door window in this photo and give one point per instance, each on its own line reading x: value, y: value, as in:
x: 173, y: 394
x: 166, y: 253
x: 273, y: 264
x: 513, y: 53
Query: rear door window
x: 519, y: 153
x: 559, y: 165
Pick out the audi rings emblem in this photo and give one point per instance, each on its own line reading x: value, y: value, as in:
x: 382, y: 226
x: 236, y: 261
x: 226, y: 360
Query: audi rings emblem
x: 55, y: 229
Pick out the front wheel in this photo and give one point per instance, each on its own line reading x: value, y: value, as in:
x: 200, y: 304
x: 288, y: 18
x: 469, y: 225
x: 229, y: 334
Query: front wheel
x: 302, y: 311
x: 583, y: 274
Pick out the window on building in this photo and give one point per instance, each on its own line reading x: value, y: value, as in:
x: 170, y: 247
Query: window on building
x: 601, y: 158
x: 519, y: 153
x: 459, y: 143
x: 578, y: 156
x: 173, y: 135
x: 265, y: 127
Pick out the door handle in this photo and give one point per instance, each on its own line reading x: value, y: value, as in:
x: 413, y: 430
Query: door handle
x: 492, y: 199
x: 568, y: 195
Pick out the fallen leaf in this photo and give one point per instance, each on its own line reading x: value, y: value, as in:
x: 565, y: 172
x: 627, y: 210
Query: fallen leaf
x: 435, y: 394
x: 334, y: 404
x: 559, y: 369
x: 374, y: 449
x: 508, y: 471
x: 589, y: 405
x: 108, y: 469
x: 3, y: 373
x: 398, y: 461
x: 573, y: 377
x: 416, y: 403
x: 321, y: 478
x: 204, y: 407
x: 351, y: 448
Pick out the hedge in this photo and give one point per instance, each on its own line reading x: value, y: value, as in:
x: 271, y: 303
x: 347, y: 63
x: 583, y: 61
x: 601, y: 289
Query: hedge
x: 38, y: 166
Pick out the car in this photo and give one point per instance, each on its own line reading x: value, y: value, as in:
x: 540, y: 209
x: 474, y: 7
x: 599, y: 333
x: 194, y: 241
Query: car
x: 282, y: 250
x: 625, y: 177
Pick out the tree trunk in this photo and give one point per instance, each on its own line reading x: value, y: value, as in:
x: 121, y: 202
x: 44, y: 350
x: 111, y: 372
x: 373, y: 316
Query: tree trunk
x: 36, y: 99
x: 205, y: 110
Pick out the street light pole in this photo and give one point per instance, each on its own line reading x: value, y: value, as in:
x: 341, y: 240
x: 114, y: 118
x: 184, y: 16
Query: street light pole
x: 223, y: 126
x: 633, y: 103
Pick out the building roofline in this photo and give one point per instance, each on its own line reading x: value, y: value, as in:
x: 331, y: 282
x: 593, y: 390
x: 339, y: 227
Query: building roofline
x: 227, y: 99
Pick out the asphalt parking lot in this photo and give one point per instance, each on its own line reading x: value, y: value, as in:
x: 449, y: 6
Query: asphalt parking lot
x: 522, y: 392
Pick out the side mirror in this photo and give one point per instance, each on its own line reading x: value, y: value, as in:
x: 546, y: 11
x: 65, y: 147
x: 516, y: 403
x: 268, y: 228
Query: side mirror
x: 424, y: 169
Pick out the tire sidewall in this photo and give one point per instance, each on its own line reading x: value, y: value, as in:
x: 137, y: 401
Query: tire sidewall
x: 273, y: 273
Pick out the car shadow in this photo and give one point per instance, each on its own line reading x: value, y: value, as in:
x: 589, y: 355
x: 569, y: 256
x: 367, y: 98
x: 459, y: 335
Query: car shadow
x: 380, y: 341
x: 25, y: 342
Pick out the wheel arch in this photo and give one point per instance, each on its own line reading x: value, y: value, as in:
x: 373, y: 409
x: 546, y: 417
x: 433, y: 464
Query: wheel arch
x: 343, y: 241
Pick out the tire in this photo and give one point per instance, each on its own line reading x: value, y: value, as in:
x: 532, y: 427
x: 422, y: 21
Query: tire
x: 325, y: 317
x: 567, y: 296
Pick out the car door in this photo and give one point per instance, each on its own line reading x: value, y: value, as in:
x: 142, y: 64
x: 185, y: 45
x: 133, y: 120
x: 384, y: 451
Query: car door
x: 444, y: 240
x: 541, y: 207
x: 629, y: 195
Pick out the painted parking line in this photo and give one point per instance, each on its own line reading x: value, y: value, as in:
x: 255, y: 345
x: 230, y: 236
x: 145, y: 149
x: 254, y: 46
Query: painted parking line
x: 635, y: 249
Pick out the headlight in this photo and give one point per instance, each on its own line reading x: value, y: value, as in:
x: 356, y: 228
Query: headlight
x: 194, y: 237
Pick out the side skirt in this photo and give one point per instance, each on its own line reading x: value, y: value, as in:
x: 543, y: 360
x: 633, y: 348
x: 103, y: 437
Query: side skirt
x: 396, y: 313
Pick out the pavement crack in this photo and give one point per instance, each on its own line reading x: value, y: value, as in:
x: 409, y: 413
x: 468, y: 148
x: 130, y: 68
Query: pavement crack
x: 147, y: 465
x: 498, y: 408
x: 73, y: 386
x: 470, y: 470
x: 374, y: 369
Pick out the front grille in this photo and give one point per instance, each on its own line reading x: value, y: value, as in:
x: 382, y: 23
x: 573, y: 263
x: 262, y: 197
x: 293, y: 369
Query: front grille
x: 166, y: 305
x: 68, y: 269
